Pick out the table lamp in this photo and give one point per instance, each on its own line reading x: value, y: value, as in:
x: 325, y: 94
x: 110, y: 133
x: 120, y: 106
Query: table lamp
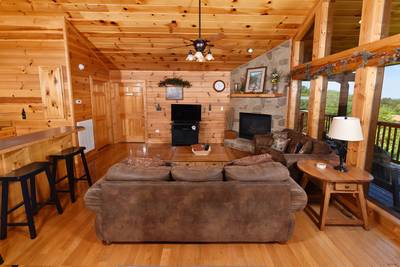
x: 345, y: 129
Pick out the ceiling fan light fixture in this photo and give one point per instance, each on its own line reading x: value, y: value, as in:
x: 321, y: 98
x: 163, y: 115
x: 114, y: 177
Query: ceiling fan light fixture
x: 190, y: 56
x: 209, y: 56
x: 199, y: 56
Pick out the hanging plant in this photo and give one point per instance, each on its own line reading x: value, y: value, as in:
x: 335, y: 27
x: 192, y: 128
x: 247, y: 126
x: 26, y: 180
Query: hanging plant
x: 174, y: 82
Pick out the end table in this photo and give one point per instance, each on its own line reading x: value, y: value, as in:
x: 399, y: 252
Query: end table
x: 335, y: 182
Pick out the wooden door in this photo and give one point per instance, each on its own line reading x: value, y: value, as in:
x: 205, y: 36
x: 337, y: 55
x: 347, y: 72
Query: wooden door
x: 100, y: 113
x: 132, y: 115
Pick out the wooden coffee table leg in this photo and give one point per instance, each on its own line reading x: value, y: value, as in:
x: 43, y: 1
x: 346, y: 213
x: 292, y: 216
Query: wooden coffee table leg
x: 363, y: 206
x: 324, y: 205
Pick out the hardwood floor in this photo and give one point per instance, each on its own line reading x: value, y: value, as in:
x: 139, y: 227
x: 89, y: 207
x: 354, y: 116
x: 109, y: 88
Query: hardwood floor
x: 69, y: 239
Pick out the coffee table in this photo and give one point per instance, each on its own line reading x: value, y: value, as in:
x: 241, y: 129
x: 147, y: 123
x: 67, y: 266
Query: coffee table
x: 219, y: 156
x: 335, y: 182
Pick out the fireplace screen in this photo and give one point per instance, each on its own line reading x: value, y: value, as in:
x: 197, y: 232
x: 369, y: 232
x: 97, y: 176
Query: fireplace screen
x: 251, y: 124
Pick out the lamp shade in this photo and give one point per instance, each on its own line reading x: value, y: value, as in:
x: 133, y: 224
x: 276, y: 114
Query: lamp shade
x: 346, y: 129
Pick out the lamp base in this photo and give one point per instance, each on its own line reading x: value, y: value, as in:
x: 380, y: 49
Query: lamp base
x: 340, y: 168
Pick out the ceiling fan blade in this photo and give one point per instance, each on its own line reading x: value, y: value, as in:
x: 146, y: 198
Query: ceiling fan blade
x: 181, y: 46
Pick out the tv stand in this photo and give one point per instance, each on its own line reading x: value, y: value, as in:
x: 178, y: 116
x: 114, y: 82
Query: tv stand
x: 185, y: 133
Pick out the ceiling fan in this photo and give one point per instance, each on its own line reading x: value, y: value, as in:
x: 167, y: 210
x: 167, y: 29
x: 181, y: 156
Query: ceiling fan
x: 200, y: 45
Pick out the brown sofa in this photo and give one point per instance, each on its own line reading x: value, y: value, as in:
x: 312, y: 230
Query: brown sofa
x: 196, y: 204
x: 319, y: 150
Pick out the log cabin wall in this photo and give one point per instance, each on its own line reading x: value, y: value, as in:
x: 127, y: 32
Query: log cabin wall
x: 25, y: 46
x: 158, y: 123
x: 80, y: 51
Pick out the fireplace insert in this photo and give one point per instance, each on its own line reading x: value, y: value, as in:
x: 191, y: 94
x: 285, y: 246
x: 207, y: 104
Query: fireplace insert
x: 252, y: 123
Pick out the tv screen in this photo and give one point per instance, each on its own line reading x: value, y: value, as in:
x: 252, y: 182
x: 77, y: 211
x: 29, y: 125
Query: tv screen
x: 185, y: 112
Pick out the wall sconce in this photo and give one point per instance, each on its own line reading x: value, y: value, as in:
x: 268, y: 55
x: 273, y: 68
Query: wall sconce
x: 158, y: 107
x: 81, y: 67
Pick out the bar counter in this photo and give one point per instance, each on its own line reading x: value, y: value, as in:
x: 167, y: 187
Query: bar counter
x: 18, y: 151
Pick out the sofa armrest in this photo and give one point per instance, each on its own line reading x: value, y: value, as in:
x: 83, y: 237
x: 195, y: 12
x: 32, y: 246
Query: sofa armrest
x: 298, y: 197
x: 92, y: 198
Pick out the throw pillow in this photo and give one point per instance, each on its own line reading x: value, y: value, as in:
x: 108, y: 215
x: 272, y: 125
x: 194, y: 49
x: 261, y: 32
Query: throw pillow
x: 252, y: 160
x: 280, y: 144
x: 298, y: 147
x: 292, y: 147
x: 280, y: 135
x: 144, y: 162
x: 307, y: 148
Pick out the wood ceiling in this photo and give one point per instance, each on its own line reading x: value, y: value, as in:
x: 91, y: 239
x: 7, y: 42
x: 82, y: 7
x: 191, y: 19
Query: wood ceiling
x: 139, y: 34
x: 142, y: 34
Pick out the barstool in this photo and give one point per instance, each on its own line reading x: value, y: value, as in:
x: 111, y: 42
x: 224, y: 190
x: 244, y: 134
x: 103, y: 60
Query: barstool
x: 68, y: 156
x: 22, y: 175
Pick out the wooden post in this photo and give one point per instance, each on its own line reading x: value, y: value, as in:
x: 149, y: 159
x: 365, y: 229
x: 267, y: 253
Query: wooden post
x: 318, y: 87
x: 295, y: 87
x: 368, y: 83
x: 343, y: 96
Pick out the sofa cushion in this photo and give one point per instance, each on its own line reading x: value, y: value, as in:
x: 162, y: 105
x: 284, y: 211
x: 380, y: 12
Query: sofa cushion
x: 320, y: 147
x: 252, y: 160
x: 125, y: 172
x: 267, y: 171
x: 197, y: 174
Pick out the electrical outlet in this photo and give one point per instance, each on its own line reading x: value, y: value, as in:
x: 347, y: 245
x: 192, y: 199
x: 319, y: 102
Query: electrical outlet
x: 78, y: 101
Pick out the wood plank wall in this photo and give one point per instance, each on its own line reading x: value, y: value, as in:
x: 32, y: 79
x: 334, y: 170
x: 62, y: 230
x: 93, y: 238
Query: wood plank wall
x: 213, y: 122
x: 80, y: 51
x: 20, y: 58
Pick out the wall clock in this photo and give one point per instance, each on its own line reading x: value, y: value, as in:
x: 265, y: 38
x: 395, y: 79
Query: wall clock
x: 219, y: 86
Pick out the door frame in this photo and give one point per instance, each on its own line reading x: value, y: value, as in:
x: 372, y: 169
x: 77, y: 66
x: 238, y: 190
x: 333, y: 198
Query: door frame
x: 108, y: 109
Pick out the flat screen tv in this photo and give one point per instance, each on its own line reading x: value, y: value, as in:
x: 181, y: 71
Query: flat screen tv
x: 185, y: 112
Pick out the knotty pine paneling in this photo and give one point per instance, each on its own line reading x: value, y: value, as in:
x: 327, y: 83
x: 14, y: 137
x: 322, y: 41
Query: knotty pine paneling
x: 213, y: 122
x: 80, y: 51
x: 20, y: 59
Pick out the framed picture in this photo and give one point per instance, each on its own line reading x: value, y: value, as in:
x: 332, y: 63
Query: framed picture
x: 174, y: 93
x: 255, y: 80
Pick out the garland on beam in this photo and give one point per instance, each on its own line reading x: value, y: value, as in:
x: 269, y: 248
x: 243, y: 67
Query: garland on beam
x: 358, y: 59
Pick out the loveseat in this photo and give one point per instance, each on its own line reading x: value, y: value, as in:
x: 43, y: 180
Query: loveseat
x: 316, y: 149
x: 195, y: 204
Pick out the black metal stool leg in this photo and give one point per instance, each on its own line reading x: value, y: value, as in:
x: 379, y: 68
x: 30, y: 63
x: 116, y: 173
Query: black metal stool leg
x: 71, y: 177
x: 53, y: 191
x: 86, y: 167
x: 28, y: 208
x: 32, y: 182
x: 4, y: 210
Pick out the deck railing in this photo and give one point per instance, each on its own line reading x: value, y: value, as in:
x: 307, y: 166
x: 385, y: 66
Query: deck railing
x: 387, y: 134
x: 388, y: 138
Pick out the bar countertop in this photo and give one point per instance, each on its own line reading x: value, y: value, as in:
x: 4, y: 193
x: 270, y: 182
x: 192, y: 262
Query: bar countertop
x: 17, y: 142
